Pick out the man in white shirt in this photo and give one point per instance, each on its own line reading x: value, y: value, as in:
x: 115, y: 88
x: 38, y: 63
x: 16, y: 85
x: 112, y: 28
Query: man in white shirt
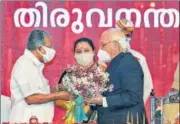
x: 30, y: 90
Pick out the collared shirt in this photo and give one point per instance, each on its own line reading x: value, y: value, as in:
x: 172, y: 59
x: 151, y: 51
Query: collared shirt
x: 27, y: 79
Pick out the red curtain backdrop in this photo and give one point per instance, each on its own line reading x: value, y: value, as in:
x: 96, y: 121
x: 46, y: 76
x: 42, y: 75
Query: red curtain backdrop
x: 159, y: 45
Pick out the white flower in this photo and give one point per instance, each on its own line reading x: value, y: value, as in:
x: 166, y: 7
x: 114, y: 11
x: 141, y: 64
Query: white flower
x: 78, y: 81
x: 106, y: 76
x: 73, y: 78
x: 84, y: 80
x: 91, y: 75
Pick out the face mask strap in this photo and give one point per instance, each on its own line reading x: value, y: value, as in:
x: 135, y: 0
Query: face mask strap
x: 46, y: 56
x: 124, y: 44
x: 40, y: 51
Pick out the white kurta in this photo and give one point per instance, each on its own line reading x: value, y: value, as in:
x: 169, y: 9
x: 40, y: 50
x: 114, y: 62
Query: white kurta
x: 27, y: 79
x: 148, y: 84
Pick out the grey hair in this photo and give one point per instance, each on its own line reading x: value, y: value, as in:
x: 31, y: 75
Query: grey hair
x: 124, y: 43
x: 36, y: 39
x: 128, y: 39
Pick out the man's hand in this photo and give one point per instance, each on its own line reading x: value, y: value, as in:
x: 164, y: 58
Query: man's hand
x: 57, y: 88
x: 64, y: 95
x: 44, y: 98
x: 95, y: 100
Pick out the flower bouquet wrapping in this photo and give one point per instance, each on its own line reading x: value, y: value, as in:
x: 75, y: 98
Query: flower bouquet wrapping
x: 83, y: 83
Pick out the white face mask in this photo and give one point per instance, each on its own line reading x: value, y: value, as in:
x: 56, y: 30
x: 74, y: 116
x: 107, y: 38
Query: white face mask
x: 84, y: 58
x: 50, y: 53
x: 103, y: 56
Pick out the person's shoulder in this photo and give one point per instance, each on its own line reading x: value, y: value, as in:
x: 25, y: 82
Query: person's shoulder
x: 23, y: 64
x: 137, y: 55
x: 129, y: 60
x: 128, y: 57
x: 130, y: 63
x: 25, y: 61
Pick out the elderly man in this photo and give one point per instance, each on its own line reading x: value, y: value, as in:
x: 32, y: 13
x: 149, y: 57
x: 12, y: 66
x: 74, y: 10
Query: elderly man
x: 126, y: 74
x: 30, y: 91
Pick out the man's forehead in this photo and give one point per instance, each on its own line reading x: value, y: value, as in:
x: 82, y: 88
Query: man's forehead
x: 47, y: 40
x: 111, y: 34
x: 104, y: 37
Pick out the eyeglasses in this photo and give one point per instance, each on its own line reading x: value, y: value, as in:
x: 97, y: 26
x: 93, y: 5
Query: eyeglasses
x: 104, y: 45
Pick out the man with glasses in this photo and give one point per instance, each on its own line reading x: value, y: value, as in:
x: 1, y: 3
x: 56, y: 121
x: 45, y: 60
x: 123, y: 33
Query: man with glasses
x: 125, y: 103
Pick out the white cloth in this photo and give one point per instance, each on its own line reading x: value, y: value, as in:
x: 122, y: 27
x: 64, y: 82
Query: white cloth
x: 5, y: 108
x: 27, y: 79
x: 104, y: 104
x: 148, y: 84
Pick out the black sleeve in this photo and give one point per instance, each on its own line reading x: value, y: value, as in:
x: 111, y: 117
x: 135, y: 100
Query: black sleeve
x: 62, y: 75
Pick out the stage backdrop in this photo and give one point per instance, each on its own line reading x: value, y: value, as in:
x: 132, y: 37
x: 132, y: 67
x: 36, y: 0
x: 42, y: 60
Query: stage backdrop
x: 157, y: 40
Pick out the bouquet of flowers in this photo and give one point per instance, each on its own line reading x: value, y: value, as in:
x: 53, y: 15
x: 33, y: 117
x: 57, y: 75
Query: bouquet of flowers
x: 84, y: 83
